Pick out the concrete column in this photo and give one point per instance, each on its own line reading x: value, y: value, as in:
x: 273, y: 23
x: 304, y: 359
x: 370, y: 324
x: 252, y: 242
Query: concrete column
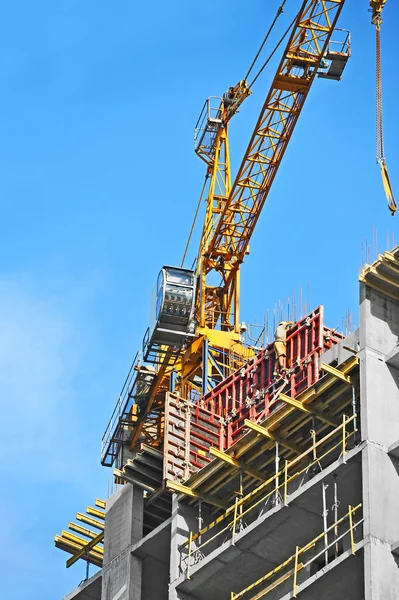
x: 123, y: 528
x: 184, y: 520
x: 379, y: 392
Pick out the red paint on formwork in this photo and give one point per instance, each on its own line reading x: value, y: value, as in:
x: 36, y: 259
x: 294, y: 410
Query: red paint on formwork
x: 217, y: 419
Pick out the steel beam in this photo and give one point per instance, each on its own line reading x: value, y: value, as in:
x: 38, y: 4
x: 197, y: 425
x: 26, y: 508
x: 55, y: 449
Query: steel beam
x: 335, y: 372
x: 275, y: 438
x: 93, y: 522
x: 67, y: 535
x: 96, y: 513
x: 71, y: 548
x: 83, y: 551
x: 83, y: 530
x: 312, y: 412
x: 237, y: 464
x: 179, y: 488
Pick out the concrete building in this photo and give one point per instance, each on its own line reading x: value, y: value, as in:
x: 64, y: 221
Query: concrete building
x: 304, y: 503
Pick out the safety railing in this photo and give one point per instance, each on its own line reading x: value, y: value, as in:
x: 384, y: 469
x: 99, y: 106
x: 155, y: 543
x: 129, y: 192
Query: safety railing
x: 273, y: 491
x: 316, y: 550
x: 108, y: 449
x: 207, y: 125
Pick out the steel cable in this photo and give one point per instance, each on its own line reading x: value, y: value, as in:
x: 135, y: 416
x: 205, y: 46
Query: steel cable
x: 280, y: 10
x: 194, y: 221
x: 380, y: 152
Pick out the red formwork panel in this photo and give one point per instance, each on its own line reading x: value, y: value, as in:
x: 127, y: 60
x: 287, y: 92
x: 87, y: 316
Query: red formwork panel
x: 190, y: 431
x: 217, y: 419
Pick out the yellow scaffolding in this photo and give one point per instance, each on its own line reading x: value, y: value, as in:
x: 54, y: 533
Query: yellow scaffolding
x: 292, y: 470
x: 90, y: 550
x: 292, y: 566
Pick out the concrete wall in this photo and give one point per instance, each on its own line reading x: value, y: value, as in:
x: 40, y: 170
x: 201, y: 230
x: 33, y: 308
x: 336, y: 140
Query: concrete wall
x: 379, y: 391
x: 123, y: 527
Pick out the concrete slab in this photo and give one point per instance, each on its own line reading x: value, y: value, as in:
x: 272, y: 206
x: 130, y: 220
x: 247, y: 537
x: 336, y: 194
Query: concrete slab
x: 393, y: 450
x: 395, y: 549
x: 273, y: 537
x: 392, y: 358
x: 156, y: 544
x: 343, y: 578
x: 342, y: 351
x: 88, y: 590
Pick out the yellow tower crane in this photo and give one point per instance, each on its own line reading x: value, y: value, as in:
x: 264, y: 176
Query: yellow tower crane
x: 195, y: 338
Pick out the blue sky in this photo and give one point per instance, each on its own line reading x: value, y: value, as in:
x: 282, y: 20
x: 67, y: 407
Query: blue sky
x: 99, y: 185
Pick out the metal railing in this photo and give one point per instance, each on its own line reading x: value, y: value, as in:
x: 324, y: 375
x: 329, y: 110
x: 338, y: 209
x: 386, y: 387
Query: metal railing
x: 275, y: 488
x: 294, y: 565
x: 121, y: 407
x: 207, y: 125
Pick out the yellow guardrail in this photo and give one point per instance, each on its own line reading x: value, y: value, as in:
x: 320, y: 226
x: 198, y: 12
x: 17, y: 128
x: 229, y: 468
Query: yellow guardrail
x: 293, y: 563
x: 244, y: 505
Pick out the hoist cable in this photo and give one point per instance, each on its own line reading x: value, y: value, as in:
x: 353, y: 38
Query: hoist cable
x: 274, y: 50
x: 380, y: 153
x: 379, y: 116
x: 280, y: 10
x: 194, y: 220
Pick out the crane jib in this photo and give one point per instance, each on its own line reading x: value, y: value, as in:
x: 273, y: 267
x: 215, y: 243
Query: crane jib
x: 304, y: 52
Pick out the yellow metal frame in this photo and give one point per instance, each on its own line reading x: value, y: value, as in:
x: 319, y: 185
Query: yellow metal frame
x: 79, y: 547
x: 298, y: 566
x: 269, y: 483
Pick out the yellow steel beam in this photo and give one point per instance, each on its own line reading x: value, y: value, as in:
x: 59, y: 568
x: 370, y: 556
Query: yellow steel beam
x: 83, y: 551
x: 335, y: 372
x: 321, y: 386
x: 179, y: 488
x: 71, y: 548
x: 275, y: 438
x: 316, y: 413
x: 96, y: 513
x: 391, y: 258
x: 83, y: 530
x: 131, y: 479
x: 273, y: 421
x: 100, y: 503
x: 378, y: 288
x: 93, y: 522
x: 385, y: 278
x: 67, y: 535
x: 237, y: 464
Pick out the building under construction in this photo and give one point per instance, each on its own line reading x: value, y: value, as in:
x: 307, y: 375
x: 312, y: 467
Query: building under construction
x: 261, y: 469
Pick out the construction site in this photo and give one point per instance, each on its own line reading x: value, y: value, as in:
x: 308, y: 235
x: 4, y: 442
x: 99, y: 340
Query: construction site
x: 254, y: 466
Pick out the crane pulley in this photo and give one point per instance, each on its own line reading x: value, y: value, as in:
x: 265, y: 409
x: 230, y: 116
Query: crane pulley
x: 376, y: 19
